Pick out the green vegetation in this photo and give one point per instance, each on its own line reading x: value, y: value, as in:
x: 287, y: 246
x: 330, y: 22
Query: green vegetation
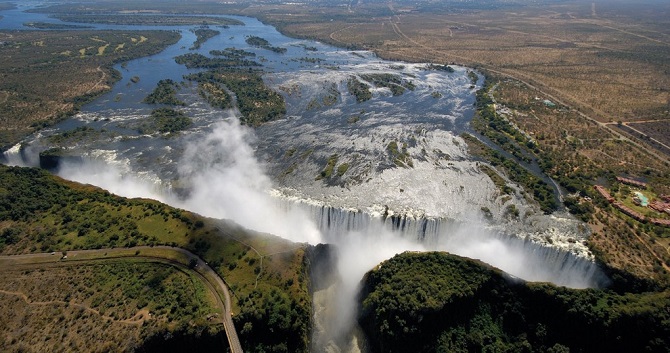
x: 580, y: 153
x: 327, y: 172
x: 166, y: 8
x: 332, y: 97
x: 446, y: 68
x: 309, y: 60
x: 490, y: 124
x: 512, y: 211
x: 45, y: 214
x: 359, y: 89
x: 436, y: 302
x: 400, y: 157
x: 486, y: 212
x: 71, y: 137
x: 581, y: 210
x: 342, y: 168
x: 473, y: 77
x: 46, y: 76
x: 499, y: 130
x: 293, y: 158
x: 575, y: 156
x: 147, y: 20
x: 575, y: 147
x: 40, y: 212
x: 499, y: 182
x: 233, y: 53
x: 215, y: 95
x: 257, y: 103
x: 47, y: 25
x: 165, y: 120
x: 165, y: 93
x: 305, y: 47
x: 395, y: 83
x: 327, y: 100
x: 52, y: 158
x: 263, y: 43
x: 199, y: 61
x: 202, y: 35
x: 542, y: 192
x: 257, y: 41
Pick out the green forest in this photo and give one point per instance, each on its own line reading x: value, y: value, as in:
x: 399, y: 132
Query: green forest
x: 263, y: 43
x: 437, y: 302
x: 165, y: 93
x: 166, y: 120
x: 202, y: 35
x: 257, y: 102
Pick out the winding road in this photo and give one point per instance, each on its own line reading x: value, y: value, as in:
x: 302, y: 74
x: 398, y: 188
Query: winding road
x: 177, y: 257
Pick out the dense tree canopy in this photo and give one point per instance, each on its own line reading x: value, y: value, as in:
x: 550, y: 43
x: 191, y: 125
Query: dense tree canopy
x: 436, y: 302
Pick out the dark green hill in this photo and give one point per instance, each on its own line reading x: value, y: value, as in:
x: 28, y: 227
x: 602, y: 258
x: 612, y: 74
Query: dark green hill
x: 437, y: 302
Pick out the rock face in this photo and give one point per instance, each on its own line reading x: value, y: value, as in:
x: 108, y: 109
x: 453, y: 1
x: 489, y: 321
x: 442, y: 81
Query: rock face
x: 53, y: 158
x: 322, y: 264
x: 437, y: 302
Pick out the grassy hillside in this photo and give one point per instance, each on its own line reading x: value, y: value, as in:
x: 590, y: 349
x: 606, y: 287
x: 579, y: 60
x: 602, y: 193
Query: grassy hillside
x: 437, y: 302
x: 42, y: 213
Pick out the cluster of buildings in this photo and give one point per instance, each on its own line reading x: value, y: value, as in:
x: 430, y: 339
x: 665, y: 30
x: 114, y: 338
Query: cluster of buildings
x: 632, y: 182
x: 662, y: 205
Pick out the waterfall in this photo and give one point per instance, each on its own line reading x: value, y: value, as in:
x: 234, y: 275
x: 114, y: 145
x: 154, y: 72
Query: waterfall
x: 519, y: 255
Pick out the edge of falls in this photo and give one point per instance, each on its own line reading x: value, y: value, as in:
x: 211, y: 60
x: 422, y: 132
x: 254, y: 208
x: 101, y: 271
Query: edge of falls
x: 520, y: 255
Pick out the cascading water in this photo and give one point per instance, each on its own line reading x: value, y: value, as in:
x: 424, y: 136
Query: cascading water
x: 530, y: 261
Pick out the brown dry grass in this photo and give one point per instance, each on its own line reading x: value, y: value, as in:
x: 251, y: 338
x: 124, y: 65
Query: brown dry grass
x: 50, y: 308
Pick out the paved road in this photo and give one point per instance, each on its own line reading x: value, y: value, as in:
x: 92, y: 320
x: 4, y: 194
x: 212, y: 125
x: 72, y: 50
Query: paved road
x: 162, y: 254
